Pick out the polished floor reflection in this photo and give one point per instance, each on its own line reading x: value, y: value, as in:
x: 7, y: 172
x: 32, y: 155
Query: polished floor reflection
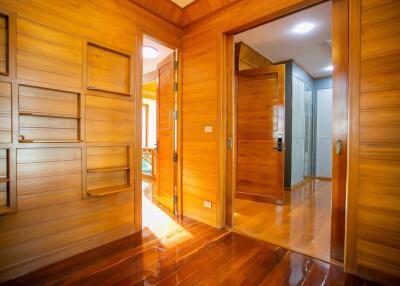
x: 302, y: 224
x: 207, y: 256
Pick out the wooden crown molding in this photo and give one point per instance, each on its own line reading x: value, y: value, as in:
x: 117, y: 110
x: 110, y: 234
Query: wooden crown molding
x: 183, y: 17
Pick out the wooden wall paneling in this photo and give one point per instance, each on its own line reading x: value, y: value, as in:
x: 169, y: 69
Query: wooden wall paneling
x: 372, y: 245
x: 48, y: 55
x: 108, y: 119
x: 47, y: 115
x: 340, y: 48
x: 200, y: 109
x: 108, y: 70
x: 3, y: 45
x: 203, y: 100
x: 56, y: 35
x: 5, y: 112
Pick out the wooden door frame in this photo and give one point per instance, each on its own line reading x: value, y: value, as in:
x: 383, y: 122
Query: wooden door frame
x: 340, y: 78
x: 138, y: 124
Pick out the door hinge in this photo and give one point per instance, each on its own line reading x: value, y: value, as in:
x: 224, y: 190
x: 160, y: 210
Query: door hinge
x: 176, y: 65
x: 175, y: 199
x: 175, y: 86
x: 175, y: 157
x: 175, y: 114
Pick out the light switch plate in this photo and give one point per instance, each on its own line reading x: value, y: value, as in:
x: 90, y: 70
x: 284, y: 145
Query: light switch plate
x: 208, y: 129
x: 207, y: 204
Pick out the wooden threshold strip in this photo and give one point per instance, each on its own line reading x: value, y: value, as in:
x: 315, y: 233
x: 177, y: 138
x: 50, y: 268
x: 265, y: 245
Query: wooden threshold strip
x: 109, y: 190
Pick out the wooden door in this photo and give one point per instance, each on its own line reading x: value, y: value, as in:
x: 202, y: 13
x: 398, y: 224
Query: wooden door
x: 165, y: 133
x: 260, y: 125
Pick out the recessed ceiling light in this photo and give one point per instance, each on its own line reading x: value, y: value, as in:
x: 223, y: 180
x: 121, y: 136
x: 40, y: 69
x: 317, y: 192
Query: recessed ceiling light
x: 328, y: 68
x: 303, y: 28
x: 150, y: 52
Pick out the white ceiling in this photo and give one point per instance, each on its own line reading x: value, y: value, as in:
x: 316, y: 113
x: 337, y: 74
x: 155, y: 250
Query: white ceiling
x: 150, y: 65
x: 182, y: 3
x: 278, y: 42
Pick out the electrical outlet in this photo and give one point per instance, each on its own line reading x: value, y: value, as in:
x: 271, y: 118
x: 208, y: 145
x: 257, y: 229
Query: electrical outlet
x: 207, y: 204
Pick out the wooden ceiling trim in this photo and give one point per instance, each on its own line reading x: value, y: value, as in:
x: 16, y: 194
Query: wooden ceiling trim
x: 200, y: 9
x: 182, y: 17
x: 150, y: 76
x: 166, y: 9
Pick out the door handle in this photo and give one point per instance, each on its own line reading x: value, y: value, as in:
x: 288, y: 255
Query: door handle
x: 338, y: 147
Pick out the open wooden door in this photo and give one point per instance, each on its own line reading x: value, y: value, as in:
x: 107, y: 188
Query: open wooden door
x: 260, y: 134
x: 165, y: 133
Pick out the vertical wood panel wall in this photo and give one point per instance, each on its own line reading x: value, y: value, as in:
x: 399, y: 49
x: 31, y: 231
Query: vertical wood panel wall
x: 68, y: 81
x: 203, y: 162
x: 373, y: 225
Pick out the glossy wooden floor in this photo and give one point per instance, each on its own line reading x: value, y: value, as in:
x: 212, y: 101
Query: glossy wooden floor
x: 302, y: 224
x: 186, y: 252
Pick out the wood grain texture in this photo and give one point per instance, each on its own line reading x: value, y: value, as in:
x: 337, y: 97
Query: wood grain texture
x: 47, y: 65
x: 3, y: 45
x: 248, y: 58
x: 201, y: 8
x: 340, y: 54
x: 5, y: 112
x: 165, y: 132
x: 301, y: 224
x: 373, y: 205
x: 260, y: 120
x: 203, y: 102
x: 190, y: 253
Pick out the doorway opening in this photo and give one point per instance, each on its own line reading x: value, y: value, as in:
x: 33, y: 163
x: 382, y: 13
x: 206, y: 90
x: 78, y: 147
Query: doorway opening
x: 159, y: 136
x: 280, y: 132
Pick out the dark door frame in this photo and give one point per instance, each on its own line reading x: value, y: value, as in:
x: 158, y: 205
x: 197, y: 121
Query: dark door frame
x: 340, y: 77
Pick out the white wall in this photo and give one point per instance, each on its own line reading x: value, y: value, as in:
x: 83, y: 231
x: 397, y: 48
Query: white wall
x: 152, y: 122
x: 298, y: 131
x: 324, y: 133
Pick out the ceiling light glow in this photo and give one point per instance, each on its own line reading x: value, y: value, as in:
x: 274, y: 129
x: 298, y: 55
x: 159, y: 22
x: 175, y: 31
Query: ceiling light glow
x: 303, y: 28
x: 150, y: 52
x: 328, y: 68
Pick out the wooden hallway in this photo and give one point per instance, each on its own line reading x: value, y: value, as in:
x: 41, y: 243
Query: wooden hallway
x: 192, y: 253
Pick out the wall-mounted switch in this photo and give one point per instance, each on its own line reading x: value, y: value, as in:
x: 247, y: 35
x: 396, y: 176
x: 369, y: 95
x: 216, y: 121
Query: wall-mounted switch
x: 208, y: 129
x: 207, y: 204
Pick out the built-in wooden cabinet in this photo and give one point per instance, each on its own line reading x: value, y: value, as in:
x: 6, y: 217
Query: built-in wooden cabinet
x: 108, y: 170
x: 3, y: 44
x: 47, y: 115
x: 108, y: 70
x: 4, y: 182
x: 5, y: 112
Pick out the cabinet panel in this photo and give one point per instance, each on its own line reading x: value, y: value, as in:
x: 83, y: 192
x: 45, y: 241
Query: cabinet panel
x: 48, y: 55
x: 107, y: 70
x: 48, y: 115
x: 3, y: 44
x: 5, y: 112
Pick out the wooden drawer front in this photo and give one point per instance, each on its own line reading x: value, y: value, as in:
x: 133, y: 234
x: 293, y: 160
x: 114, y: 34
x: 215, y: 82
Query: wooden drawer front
x: 107, y: 70
x: 48, y: 115
x: 107, y: 157
x: 3, y: 45
x: 48, y: 176
x: 48, y: 55
x: 5, y: 112
x: 109, y: 120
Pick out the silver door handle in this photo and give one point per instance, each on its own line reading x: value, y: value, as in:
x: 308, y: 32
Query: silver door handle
x: 338, y: 147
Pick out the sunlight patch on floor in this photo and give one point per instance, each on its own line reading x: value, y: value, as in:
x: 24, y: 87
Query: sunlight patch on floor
x: 160, y: 223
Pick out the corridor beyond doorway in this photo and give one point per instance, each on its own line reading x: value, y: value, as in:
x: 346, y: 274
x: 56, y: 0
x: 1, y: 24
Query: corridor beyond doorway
x: 302, y: 223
